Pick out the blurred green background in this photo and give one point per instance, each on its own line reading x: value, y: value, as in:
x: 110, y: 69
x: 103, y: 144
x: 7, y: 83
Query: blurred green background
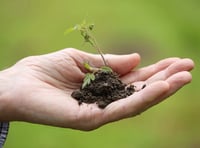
x: 154, y: 28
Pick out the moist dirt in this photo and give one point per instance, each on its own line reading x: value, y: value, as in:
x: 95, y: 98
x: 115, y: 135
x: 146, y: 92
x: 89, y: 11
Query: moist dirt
x: 106, y: 88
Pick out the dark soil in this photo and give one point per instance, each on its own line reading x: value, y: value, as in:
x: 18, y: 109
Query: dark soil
x: 106, y: 88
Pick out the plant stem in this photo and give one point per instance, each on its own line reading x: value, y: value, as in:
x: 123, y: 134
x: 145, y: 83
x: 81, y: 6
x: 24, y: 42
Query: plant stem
x: 85, y: 30
x: 94, y: 43
x: 100, y: 52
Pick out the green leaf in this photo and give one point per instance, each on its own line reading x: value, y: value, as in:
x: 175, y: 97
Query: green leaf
x: 92, y: 76
x: 69, y: 30
x: 85, y: 30
x: 106, y: 69
x: 88, y: 78
x: 87, y: 66
x: 91, y: 26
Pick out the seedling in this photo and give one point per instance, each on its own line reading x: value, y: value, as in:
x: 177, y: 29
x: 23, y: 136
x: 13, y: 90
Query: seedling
x: 86, y: 32
x: 101, y: 84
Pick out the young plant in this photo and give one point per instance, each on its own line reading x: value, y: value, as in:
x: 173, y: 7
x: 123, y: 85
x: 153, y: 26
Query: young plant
x: 86, y: 32
x: 100, y: 84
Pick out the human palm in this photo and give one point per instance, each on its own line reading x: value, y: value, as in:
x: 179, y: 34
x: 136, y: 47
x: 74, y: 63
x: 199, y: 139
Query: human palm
x: 43, y: 87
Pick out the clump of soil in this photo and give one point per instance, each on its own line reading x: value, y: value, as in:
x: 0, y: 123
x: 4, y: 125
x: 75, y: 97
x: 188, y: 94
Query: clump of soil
x: 106, y: 88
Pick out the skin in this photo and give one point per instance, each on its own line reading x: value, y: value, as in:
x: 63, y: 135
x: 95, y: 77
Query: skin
x: 38, y: 89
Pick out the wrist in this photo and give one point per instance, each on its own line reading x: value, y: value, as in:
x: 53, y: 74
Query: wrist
x: 5, y: 94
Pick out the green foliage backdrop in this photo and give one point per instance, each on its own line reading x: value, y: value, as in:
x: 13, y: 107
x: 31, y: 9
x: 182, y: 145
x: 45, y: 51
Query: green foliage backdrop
x: 156, y: 29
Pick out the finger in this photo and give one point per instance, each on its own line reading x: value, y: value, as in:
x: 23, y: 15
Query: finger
x: 146, y: 72
x: 176, y: 82
x: 136, y: 103
x: 180, y: 65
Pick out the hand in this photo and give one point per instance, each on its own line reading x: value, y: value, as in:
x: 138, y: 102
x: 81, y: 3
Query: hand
x: 38, y: 89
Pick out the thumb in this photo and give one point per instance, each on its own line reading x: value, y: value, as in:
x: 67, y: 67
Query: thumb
x: 122, y: 64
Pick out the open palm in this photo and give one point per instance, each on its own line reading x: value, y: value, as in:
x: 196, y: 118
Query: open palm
x: 42, y: 87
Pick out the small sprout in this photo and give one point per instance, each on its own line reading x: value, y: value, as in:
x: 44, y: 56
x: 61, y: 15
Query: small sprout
x: 88, y: 78
x: 85, y: 30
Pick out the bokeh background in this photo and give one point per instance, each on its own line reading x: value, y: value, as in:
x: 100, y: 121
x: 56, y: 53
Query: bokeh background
x: 154, y: 28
